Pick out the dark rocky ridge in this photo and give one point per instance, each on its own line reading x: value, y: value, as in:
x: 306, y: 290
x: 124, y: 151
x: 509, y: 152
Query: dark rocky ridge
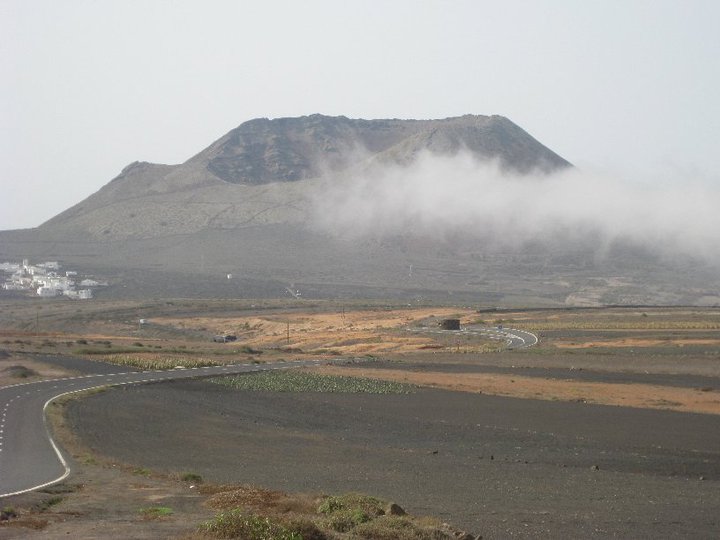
x: 290, y: 149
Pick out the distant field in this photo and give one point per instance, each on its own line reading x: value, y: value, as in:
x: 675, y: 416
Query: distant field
x: 663, y: 341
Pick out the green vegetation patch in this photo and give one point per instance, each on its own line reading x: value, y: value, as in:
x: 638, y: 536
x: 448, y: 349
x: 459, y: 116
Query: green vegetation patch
x: 191, y: 477
x: 254, y: 513
x: 398, y: 528
x: 159, y: 361
x: 371, y: 506
x: 298, y: 381
x: 345, y: 512
x: 238, y: 524
x: 154, y: 512
x: 46, y: 504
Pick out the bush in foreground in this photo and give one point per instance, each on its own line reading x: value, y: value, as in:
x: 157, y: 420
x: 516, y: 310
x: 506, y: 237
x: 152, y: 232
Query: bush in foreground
x: 253, y: 513
x: 238, y: 524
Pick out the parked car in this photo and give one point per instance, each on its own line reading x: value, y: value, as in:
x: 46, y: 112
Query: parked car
x: 224, y: 338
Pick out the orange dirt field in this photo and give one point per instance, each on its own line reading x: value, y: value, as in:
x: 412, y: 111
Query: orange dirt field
x: 351, y: 333
x: 630, y: 342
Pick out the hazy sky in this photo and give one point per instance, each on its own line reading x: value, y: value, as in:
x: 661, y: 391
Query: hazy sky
x: 629, y: 88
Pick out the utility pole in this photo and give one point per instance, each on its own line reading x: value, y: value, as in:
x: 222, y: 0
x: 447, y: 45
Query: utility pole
x: 288, y: 331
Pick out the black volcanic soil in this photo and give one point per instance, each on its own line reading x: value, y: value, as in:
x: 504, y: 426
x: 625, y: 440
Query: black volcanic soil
x: 500, y: 467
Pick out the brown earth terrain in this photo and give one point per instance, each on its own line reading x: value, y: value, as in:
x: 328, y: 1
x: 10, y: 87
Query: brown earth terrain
x: 701, y: 400
x: 560, y: 440
x: 354, y: 333
x: 630, y: 342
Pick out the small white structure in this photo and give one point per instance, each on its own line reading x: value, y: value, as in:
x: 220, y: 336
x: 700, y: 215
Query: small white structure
x: 13, y: 286
x: 10, y: 268
x: 85, y: 294
x: 47, y: 292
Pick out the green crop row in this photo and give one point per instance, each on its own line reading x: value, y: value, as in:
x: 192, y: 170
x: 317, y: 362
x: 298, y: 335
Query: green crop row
x: 297, y: 381
x: 156, y: 361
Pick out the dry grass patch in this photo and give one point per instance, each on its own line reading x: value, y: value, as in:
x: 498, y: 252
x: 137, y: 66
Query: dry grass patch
x: 636, y: 324
x: 632, y: 342
x: 19, y: 368
x: 254, y: 513
x: 349, y: 333
x: 244, y: 496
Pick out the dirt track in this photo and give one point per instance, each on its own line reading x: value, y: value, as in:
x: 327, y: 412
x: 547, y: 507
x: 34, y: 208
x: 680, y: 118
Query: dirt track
x: 497, y: 466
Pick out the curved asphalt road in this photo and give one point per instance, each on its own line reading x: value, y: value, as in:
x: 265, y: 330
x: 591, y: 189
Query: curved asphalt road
x: 514, y: 338
x: 30, y: 459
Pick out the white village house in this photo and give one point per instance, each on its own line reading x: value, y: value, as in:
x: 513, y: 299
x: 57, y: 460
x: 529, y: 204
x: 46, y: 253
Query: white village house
x: 43, y: 279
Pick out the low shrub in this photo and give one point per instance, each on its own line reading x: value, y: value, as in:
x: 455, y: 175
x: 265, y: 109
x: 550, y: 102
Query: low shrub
x: 352, y: 501
x: 345, y: 512
x: 191, y: 477
x: 238, y: 524
x: 346, y: 520
x: 46, y: 504
x: 306, y: 529
x: 397, y: 528
x: 244, y: 496
x: 20, y: 372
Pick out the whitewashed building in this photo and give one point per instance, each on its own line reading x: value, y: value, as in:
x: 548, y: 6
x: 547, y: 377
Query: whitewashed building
x: 47, y: 292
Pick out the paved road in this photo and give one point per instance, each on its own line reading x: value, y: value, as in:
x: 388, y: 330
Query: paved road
x: 514, y: 338
x: 30, y: 459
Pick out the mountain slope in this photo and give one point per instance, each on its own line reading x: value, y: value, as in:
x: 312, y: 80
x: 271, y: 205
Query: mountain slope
x: 264, y: 171
x: 246, y: 206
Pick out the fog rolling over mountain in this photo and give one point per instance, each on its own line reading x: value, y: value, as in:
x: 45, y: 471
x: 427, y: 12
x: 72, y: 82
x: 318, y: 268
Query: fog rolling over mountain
x: 462, y: 208
x: 441, y: 195
x: 268, y: 171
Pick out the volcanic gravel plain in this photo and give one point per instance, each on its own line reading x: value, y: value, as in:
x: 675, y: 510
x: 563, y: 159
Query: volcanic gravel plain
x: 495, y: 465
x: 609, y: 428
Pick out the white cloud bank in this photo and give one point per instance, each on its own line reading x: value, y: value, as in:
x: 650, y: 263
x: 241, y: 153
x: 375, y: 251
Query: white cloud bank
x: 442, y: 195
